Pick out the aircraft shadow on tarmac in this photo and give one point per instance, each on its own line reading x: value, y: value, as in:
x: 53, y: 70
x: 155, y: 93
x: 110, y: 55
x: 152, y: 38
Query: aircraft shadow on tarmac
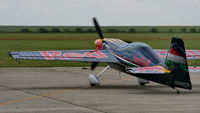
x: 136, y: 89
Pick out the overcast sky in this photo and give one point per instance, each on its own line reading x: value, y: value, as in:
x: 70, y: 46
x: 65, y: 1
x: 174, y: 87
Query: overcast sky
x: 108, y: 12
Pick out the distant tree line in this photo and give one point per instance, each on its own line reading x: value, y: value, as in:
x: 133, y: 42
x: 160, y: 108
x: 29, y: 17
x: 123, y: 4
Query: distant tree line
x: 57, y: 30
x: 111, y: 30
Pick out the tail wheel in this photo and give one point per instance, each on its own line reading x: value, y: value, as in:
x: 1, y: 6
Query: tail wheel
x: 142, y: 82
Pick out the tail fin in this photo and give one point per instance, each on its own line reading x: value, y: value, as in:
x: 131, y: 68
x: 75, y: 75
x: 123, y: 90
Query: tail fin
x: 177, y: 62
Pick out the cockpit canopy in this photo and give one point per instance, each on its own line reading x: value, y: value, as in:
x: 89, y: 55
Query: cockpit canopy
x: 134, y: 45
x: 140, y: 53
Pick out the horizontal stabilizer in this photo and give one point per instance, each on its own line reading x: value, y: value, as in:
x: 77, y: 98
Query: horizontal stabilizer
x: 190, y: 54
x: 156, y: 74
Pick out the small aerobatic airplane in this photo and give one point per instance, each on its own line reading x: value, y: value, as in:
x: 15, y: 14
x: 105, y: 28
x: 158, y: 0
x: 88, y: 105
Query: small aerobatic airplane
x: 168, y: 67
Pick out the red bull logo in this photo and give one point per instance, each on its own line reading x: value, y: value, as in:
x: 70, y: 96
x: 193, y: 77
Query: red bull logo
x: 51, y: 55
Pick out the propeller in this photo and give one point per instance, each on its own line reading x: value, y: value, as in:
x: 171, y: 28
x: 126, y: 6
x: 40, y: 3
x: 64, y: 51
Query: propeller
x: 100, y: 33
x: 98, y: 28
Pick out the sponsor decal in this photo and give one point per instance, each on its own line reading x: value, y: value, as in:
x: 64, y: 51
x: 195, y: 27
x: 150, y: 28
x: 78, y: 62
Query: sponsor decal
x: 197, y: 68
x: 194, y: 69
x: 51, y: 55
x: 193, y: 53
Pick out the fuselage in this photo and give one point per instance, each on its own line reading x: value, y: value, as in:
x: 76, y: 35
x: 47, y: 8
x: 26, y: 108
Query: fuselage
x: 135, y: 54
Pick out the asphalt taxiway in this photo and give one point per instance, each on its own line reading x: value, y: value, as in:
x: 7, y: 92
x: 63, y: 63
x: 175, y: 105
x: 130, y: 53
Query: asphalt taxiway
x: 66, y: 90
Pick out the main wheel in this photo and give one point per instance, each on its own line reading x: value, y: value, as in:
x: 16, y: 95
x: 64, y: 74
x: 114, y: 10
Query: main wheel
x: 93, y: 80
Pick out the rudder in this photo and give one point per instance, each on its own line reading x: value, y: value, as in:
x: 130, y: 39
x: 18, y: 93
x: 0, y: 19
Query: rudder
x: 176, y: 60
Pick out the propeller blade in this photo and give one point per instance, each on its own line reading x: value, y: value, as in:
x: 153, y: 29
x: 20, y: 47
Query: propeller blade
x: 94, y: 65
x: 98, y: 28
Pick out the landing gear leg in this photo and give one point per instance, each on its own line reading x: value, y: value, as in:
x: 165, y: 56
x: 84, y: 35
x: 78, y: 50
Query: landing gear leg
x: 94, y: 79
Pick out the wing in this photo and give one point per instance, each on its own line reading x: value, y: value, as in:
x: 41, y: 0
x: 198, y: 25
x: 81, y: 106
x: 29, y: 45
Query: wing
x: 70, y: 55
x: 194, y: 69
x: 149, y: 70
x: 191, y: 54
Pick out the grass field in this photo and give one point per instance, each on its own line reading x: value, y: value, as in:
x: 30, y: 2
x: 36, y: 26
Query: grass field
x: 93, y: 36
x: 62, y: 41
